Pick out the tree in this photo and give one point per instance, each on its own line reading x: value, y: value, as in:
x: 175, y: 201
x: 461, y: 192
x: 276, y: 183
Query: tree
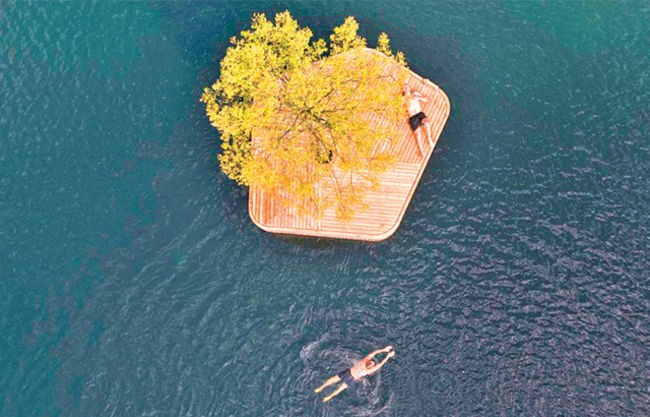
x: 293, y: 118
x: 345, y: 37
x: 383, y: 46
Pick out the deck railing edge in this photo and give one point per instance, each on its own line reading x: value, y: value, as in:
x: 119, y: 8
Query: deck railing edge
x: 423, y: 165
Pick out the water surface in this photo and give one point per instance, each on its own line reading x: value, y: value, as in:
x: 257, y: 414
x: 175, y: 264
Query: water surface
x: 136, y: 285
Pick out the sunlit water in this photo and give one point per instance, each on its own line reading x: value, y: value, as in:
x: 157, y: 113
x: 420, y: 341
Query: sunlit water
x: 134, y: 283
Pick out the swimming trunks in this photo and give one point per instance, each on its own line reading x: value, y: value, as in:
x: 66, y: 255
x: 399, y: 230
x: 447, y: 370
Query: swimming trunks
x: 346, y: 377
x: 416, y: 120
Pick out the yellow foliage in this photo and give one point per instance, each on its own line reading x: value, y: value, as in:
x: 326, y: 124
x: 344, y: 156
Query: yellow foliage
x: 345, y: 37
x: 401, y: 59
x: 383, y: 46
x: 289, y: 118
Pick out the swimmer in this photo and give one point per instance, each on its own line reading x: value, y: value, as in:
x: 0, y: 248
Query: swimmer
x: 417, y: 118
x: 349, y: 377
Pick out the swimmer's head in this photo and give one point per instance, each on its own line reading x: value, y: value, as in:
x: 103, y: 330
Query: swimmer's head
x: 406, y: 90
x: 370, y: 364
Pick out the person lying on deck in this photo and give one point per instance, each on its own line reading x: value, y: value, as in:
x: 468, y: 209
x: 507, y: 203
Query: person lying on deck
x: 417, y: 118
x: 349, y: 377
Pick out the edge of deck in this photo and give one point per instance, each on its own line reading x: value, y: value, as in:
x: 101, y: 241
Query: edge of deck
x: 370, y: 237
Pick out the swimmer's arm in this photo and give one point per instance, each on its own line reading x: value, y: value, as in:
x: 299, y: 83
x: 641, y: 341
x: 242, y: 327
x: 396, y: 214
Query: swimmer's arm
x: 390, y: 355
x: 383, y: 361
x: 376, y: 352
x: 371, y: 355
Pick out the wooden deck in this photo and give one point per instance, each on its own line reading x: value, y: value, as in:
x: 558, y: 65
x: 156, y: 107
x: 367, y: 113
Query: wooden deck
x: 386, y: 205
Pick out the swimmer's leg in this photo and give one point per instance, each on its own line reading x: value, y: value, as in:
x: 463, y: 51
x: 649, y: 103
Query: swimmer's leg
x: 336, y: 392
x: 332, y: 380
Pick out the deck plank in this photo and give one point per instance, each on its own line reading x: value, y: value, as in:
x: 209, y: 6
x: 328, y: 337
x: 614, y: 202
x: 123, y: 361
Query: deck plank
x: 386, y: 205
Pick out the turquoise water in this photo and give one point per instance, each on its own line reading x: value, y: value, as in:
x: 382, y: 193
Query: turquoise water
x: 135, y: 284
